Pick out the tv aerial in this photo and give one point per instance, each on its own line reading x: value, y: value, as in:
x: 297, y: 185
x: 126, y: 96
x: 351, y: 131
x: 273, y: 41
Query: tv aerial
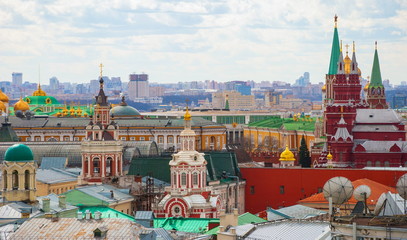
x: 362, y: 193
x: 337, y: 190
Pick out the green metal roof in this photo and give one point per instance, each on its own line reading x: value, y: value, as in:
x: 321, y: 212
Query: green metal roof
x: 79, y: 198
x: 376, y: 79
x: 286, y: 123
x: 19, y: 153
x: 107, y: 212
x: 124, y: 111
x: 192, y: 225
x: 158, y: 167
x: 333, y: 68
x: 41, y: 100
x: 243, y: 219
x: 7, y: 134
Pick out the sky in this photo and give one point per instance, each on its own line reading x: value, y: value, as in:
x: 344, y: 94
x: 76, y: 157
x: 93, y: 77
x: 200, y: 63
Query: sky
x: 181, y: 41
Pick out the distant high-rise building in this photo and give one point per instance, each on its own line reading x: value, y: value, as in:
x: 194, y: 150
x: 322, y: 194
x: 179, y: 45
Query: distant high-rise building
x: 138, y: 86
x: 17, y: 78
x: 53, y: 83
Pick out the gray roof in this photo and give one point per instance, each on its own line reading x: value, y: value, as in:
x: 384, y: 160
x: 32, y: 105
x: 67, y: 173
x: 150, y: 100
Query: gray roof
x: 375, y: 128
x: 286, y: 229
x: 381, y: 146
x: 58, y: 122
x: 144, y: 215
x: 14, y: 210
x: 296, y: 211
x: 102, y: 192
x: 54, y: 175
x: 53, y: 162
x: 54, y: 203
x: 72, y: 228
x: 377, y: 116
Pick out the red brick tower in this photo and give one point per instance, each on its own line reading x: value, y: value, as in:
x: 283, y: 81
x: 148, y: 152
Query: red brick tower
x: 376, y: 97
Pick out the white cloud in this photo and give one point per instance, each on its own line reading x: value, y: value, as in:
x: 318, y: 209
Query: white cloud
x: 195, y: 40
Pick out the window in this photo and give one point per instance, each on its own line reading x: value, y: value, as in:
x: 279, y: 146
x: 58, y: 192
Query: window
x: 37, y: 139
x: 369, y: 163
x: 160, y: 139
x: 15, y: 180
x: 282, y: 189
x: 142, y: 138
x: 123, y: 138
x: 252, y: 190
x: 195, y: 178
x: 378, y: 164
x: 96, y: 165
x: 174, y: 179
x: 76, y: 139
x: 183, y: 179
x: 132, y: 138
x: 108, y: 166
x: 27, y: 179
x: 170, y: 139
x: 387, y: 164
x: 66, y: 138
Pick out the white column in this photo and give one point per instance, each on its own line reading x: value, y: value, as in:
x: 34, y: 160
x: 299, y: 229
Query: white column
x: 103, y: 165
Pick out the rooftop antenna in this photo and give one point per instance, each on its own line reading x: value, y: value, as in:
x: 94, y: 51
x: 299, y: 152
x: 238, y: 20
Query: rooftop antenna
x: 362, y: 193
x: 337, y: 190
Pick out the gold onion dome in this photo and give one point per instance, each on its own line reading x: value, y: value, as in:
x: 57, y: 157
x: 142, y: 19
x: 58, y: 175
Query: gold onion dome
x: 2, y: 106
x: 287, y: 155
x: 366, y: 86
x: 324, y: 87
x: 359, y: 72
x: 329, y: 156
x: 3, y: 97
x: 347, y: 62
x: 187, y: 115
x: 21, y: 105
x: 39, y: 92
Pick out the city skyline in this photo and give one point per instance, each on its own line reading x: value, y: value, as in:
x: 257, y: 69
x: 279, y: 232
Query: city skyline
x: 196, y: 41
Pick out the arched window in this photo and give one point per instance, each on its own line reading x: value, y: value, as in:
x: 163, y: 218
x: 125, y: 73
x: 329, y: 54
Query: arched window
x: 15, y: 180
x: 195, y: 179
x: 108, y: 166
x: 183, y: 179
x: 369, y: 163
x: 387, y: 164
x: 174, y: 179
x: 378, y: 164
x: 96, y: 165
x: 5, y: 179
x: 27, y: 179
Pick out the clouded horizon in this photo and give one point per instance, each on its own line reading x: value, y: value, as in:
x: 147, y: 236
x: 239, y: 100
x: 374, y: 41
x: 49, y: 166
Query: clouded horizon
x: 175, y: 41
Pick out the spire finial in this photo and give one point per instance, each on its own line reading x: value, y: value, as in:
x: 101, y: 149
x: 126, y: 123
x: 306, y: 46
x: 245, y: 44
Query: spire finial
x: 375, y: 45
x: 336, y: 20
x: 347, y: 48
x: 341, y: 45
x: 354, y: 48
x: 101, y: 69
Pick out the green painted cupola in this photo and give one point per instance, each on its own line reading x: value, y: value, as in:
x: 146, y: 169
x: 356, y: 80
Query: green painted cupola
x: 19, y: 153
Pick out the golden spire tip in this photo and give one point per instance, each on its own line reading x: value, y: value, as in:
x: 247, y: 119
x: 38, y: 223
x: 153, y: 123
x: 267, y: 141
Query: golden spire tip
x: 354, y: 48
x: 336, y: 20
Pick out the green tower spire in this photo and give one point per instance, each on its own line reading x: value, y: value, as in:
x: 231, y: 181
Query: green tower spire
x: 227, y: 103
x: 335, y: 50
x: 376, y: 77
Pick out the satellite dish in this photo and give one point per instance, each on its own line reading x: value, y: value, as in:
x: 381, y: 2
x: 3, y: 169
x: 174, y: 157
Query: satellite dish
x: 402, y: 186
x: 340, y: 189
x: 362, y: 193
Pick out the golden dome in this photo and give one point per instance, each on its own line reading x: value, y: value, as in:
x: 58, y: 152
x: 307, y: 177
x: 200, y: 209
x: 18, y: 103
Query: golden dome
x: 72, y: 110
x: 329, y: 156
x: 21, y: 105
x: 287, y: 155
x: 324, y: 88
x: 187, y: 115
x: 59, y: 114
x: 347, y: 62
x: 2, y: 107
x: 359, y: 72
x: 39, y: 92
x: 366, y: 86
x: 3, y: 97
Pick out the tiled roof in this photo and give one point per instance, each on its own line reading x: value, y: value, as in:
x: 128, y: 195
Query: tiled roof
x: 72, y: 228
x: 381, y: 146
x: 193, y: 225
x: 376, y: 190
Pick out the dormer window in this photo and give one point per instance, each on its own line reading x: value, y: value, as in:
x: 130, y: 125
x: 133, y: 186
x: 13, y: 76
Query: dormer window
x: 100, y: 232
